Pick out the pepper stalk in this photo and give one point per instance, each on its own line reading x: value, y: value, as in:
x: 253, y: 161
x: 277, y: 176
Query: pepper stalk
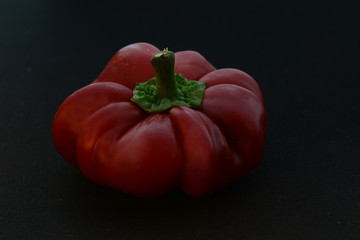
x: 163, y: 63
x: 167, y: 89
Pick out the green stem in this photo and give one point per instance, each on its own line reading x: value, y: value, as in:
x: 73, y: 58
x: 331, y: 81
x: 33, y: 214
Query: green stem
x: 166, y: 89
x: 163, y: 64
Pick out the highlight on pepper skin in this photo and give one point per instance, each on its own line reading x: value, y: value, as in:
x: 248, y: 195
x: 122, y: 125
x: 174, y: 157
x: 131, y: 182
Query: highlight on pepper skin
x: 156, y: 120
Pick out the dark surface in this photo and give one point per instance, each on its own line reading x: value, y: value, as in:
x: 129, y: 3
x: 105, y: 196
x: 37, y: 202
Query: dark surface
x: 305, y: 58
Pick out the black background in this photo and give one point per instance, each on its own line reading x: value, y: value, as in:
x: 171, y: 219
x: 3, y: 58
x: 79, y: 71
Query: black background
x: 304, y: 57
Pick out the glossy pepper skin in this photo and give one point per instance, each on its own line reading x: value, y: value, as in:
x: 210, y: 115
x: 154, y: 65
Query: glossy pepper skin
x: 117, y: 144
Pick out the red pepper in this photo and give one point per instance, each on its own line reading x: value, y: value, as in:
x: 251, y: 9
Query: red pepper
x: 168, y: 132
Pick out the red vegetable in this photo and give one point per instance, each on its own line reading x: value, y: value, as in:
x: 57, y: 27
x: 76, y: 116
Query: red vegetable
x: 198, y: 135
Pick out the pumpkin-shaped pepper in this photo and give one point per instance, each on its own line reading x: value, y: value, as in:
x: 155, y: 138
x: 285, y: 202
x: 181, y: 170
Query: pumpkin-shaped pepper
x: 154, y: 120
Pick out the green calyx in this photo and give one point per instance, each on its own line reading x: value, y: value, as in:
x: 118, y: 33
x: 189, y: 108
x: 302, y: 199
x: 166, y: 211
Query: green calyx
x: 166, y: 89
